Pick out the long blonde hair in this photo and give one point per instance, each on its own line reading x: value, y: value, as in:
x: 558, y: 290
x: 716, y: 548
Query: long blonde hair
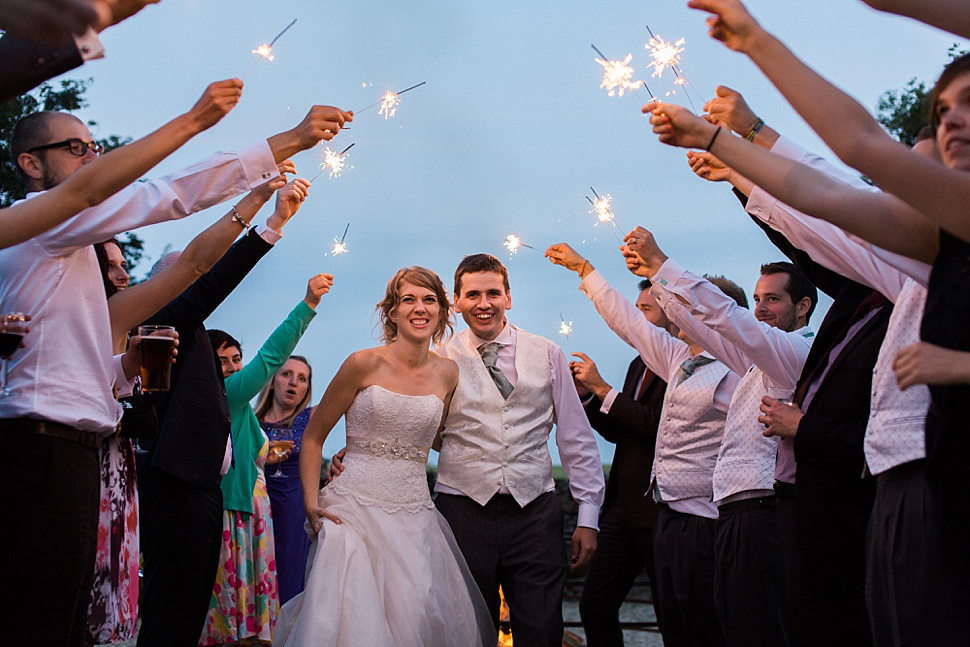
x: 265, y: 400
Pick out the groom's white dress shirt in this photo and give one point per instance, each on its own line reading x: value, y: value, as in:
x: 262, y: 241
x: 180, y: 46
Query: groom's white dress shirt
x: 491, y: 445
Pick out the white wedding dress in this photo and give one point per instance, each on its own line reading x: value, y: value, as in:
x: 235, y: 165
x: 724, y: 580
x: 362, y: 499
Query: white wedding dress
x: 391, y: 574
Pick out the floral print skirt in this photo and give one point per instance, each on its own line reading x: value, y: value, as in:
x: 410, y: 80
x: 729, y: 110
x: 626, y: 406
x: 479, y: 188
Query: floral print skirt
x: 113, y: 612
x: 245, y: 599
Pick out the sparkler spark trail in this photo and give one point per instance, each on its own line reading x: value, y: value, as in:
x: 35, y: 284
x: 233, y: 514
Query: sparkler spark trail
x: 333, y: 161
x: 266, y: 49
x: 390, y: 101
x: 618, y: 75
x: 339, y: 246
x: 564, y: 327
x: 389, y: 104
x: 603, y: 210
x: 513, y: 242
x: 665, y: 54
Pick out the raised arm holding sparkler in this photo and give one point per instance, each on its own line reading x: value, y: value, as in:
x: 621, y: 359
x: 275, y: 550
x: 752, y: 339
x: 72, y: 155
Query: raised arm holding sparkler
x: 103, y: 177
x: 853, y: 134
x: 320, y: 123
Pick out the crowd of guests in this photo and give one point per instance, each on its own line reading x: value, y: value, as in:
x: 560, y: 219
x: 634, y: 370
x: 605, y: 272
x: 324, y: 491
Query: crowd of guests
x: 782, y: 483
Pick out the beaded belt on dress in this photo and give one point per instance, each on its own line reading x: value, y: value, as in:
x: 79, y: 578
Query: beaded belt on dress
x: 385, y: 449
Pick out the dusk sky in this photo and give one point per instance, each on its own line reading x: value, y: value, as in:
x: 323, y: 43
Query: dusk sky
x: 507, y: 136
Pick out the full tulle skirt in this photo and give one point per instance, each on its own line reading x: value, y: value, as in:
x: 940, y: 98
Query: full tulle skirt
x: 385, y: 579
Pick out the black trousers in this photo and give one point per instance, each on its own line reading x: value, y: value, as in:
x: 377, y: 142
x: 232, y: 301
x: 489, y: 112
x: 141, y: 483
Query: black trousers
x: 907, y: 592
x: 622, y: 552
x: 748, y: 581
x: 181, y: 535
x: 683, y: 547
x: 832, y: 516
x: 785, y: 502
x: 53, y: 486
x: 521, y: 549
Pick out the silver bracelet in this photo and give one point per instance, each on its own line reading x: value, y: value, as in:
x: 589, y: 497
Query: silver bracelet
x: 237, y: 218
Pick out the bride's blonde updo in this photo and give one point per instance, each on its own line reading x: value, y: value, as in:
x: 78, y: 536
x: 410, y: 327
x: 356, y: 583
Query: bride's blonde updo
x: 420, y: 277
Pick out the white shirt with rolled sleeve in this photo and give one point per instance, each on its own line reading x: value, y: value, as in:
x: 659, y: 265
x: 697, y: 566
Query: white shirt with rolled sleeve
x: 896, y: 430
x: 574, y: 437
x: 766, y: 356
x: 66, y: 372
x: 691, y: 426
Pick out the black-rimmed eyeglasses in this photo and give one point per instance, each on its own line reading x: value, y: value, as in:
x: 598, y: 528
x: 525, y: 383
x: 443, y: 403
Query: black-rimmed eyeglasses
x: 77, y: 147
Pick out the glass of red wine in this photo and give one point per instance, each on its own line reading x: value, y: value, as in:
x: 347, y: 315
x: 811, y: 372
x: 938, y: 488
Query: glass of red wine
x: 12, y: 326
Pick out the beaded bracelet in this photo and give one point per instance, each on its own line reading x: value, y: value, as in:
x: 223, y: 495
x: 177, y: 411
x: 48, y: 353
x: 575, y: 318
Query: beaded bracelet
x: 237, y: 218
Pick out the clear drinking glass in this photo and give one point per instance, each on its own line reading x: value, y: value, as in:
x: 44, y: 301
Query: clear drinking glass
x: 11, y: 334
x: 281, y: 434
x: 782, y: 395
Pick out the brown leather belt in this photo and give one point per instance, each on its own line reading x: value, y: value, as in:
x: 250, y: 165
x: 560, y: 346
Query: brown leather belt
x: 55, y: 429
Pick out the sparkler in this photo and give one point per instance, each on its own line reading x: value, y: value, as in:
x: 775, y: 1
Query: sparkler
x: 565, y: 327
x: 618, y: 75
x: 389, y: 102
x: 333, y: 161
x: 339, y: 246
x: 665, y: 54
x: 266, y: 49
x: 513, y: 242
x: 603, y: 209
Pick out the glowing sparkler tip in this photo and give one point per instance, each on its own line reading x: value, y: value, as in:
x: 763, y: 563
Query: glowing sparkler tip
x: 333, y: 161
x: 603, y: 209
x: 338, y: 248
x: 565, y: 328
x: 617, y: 76
x: 265, y: 51
x: 512, y: 243
x: 389, y: 104
x: 664, y: 54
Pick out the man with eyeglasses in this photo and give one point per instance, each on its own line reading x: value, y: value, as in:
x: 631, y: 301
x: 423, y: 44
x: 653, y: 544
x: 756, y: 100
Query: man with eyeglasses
x: 61, y: 403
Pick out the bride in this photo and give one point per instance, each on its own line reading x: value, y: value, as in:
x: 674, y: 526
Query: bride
x: 386, y: 570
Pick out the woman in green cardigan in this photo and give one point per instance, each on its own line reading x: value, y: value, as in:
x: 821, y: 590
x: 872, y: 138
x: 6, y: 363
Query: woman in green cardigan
x: 245, y: 599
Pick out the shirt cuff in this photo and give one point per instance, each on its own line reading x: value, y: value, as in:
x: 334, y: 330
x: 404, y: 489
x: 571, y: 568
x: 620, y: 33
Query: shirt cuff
x: 588, y: 516
x: 608, y: 401
x: 668, y: 273
x: 258, y: 163
x: 789, y: 149
x: 271, y: 236
x: 89, y: 45
x: 124, y: 386
x: 593, y: 283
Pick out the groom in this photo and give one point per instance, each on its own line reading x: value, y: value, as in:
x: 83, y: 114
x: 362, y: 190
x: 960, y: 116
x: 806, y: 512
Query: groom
x: 495, y: 484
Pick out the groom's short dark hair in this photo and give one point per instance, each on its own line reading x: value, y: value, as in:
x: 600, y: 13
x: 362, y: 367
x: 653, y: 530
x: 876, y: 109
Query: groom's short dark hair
x: 480, y: 263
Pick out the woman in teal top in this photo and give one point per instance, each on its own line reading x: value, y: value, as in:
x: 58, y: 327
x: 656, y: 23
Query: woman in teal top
x: 245, y: 598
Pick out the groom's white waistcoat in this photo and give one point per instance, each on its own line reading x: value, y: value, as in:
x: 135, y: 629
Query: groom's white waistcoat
x: 488, y: 440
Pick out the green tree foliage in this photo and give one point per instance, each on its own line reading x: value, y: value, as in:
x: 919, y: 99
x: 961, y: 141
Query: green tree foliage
x: 67, y: 96
x: 905, y: 112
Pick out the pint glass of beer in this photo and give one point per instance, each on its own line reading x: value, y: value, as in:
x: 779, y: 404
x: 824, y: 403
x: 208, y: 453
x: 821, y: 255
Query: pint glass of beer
x: 156, y: 356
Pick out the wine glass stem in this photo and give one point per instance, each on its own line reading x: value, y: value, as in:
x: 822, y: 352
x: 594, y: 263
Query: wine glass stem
x: 3, y: 377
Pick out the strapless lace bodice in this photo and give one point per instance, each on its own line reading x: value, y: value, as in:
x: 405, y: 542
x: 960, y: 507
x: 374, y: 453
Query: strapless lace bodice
x: 388, y: 438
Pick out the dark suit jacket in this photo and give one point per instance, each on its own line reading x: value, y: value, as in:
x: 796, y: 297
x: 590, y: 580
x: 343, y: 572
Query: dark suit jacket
x: 632, y: 425
x: 830, y: 435
x: 194, y: 415
x: 25, y: 64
